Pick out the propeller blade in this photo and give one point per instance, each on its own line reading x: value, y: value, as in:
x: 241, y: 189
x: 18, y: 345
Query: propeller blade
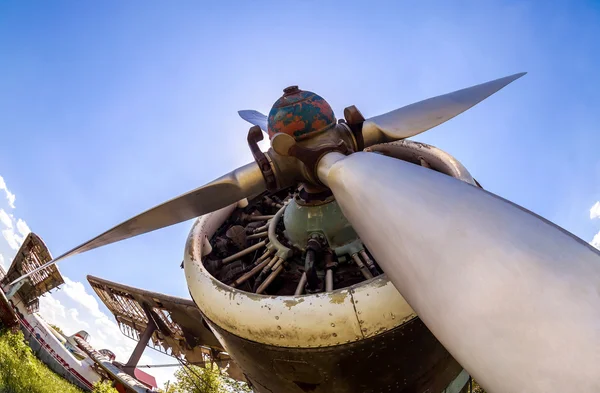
x: 415, y: 118
x: 513, y: 297
x: 234, y: 186
x: 255, y: 118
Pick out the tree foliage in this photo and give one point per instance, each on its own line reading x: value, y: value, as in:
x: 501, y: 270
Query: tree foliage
x: 104, y: 387
x: 194, y: 379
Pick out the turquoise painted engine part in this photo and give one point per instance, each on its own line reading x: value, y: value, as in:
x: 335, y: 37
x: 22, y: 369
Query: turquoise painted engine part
x: 300, y: 114
x: 303, y: 221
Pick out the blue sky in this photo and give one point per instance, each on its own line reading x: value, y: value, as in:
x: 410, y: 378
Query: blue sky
x: 109, y: 108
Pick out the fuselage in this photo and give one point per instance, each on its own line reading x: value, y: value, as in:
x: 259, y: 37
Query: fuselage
x: 55, y: 350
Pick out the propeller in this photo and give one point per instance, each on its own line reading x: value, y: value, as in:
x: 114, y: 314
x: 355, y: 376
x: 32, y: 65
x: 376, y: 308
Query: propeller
x: 248, y: 180
x: 241, y: 183
x: 513, y: 297
x: 255, y: 118
x: 421, y: 116
x: 415, y: 118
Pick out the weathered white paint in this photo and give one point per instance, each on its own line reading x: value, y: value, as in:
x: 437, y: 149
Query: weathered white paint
x: 514, y: 298
x: 319, y: 320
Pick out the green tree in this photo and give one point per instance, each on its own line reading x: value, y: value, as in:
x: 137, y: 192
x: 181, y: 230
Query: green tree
x: 194, y: 379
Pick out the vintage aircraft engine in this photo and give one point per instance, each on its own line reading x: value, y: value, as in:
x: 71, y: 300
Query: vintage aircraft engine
x: 285, y: 273
x: 292, y: 293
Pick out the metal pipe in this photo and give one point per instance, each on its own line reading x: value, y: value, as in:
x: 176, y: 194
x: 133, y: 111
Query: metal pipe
x: 361, y: 266
x: 263, y: 228
x: 369, y: 262
x: 329, y: 280
x: 269, y: 280
x: 301, y: 284
x: 257, y: 235
x: 276, y: 266
x: 264, y: 256
x: 245, y: 251
x: 272, y: 262
x: 275, y: 260
x: 251, y: 273
x: 528, y: 319
x: 259, y: 218
x: 282, y: 250
x: 135, y: 356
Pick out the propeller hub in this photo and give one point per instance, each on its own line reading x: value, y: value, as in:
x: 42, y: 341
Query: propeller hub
x: 300, y: 114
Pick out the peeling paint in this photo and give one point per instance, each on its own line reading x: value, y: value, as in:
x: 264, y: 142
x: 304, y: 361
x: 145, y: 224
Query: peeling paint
x: 292, y: 302
x: 338, y: 297
x: 309, y: 321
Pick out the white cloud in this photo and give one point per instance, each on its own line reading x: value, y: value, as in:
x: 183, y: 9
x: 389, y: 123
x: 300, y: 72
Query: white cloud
x: 5, y: 219
x: 104, y: 333
x: 13, y: 239
x: 9, y: 195
x: 2, y: 265
x: 73, y: 309
x: 23, y: 228
x: 74, y: 316
x: 76, y: 291
x: 53, y: 310
x: 596, y: 241
x: 595, y: 211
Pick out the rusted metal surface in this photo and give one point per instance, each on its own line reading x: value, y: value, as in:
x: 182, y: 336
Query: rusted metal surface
x: 183, y: 331
x: 405, y: 359
x: 237, y: 234
x: 255, y: 135
x: 300, y: 114
x: 355, y: 120
x: 33, y: 254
